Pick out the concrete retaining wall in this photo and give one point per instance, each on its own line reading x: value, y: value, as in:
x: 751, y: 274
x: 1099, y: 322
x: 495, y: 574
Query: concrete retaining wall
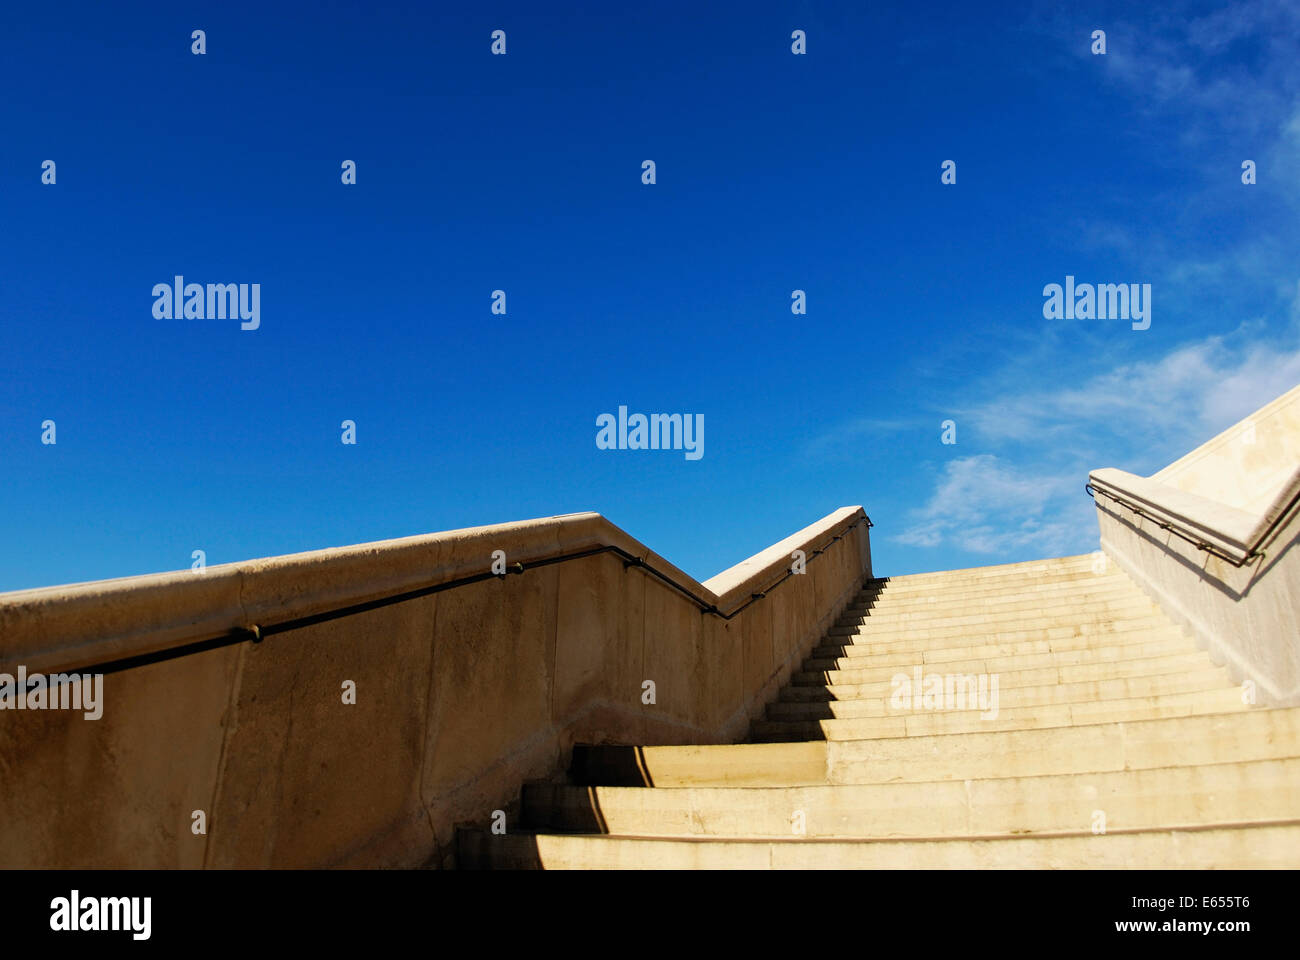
x: 460, y: 695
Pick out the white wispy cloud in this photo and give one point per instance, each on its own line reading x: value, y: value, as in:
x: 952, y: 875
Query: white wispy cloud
x: 840, y: 439
x: 1190, y: 393
x: 1136, y: 416
x: 984, y: 505
x: 1179, y: 57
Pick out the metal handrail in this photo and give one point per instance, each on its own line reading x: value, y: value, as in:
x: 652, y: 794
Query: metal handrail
x: 256, y: 633
x: 1252, y: 551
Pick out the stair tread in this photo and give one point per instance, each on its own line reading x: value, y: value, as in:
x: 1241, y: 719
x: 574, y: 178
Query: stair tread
x: 1234, y: 845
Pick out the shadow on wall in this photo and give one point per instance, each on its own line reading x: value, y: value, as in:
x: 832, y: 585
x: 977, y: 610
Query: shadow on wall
x: 1202, y: 564
x: 397, y: 689
x: 573, y: 807
x: 1209, y: 538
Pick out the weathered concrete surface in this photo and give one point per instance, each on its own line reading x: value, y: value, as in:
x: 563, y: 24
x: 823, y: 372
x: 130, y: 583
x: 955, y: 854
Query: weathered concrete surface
x: 1133, y: 749
x: 118, y: 791
x: 460, y: 696
x: 1229, y: 493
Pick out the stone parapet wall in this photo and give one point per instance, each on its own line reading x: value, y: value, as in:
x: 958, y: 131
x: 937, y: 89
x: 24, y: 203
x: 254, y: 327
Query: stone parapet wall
x: 460, y: 694
x: 1212, y: 539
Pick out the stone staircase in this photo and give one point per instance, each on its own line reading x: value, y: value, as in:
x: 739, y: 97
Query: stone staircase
x: 1109, y: 740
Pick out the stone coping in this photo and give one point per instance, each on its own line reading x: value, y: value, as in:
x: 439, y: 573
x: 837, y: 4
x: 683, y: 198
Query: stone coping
x: 51, y: 629
x: 1237, y: 533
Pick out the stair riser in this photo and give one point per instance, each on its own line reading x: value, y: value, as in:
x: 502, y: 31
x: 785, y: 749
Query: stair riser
x: 968, y: 614
x: 1096, y: 622
x: 931, y: 723
x: 1129, y: 800
x: 1112, y: 586
x: 730, y: 765
x: 1069, y: 658
x: 1255, y: 847
x: 1080, y: 566
x: 1104, y: 747
x: 1115, y: 670
x: 1099, y: 634
x: 1213, y: 679
x: 929, y: 602
x: 1014, y: 630
x: 1098, y: 747
x: 866, y: 650
x: 1139, y: 647
x: 994, y: 586
x: 1000, y: 585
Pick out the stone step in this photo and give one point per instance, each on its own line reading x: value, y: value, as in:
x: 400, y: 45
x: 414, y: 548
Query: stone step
x: 1083, y: 673
x: 988, y: 582
x: 1013, y: 631
x: 835, y: 648
x: 1094, y: 623
x: 1155, y: 627
x: 858, y: 671
x: 1120, y: 647
x: 1112, y: 741
x: 1259, y: 734
x: 992, y: 585
x: 713, y: 764
x: 920, y: 598
x: 1026, y: 571
x: 1122, y: 689
x: 1224, y: 846
x: 967, y: 614
x: 1236, y: 792
x: 930, y: 723
x: 939, y: 607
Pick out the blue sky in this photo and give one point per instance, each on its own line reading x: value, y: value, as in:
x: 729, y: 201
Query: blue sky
x: 522, y: 172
